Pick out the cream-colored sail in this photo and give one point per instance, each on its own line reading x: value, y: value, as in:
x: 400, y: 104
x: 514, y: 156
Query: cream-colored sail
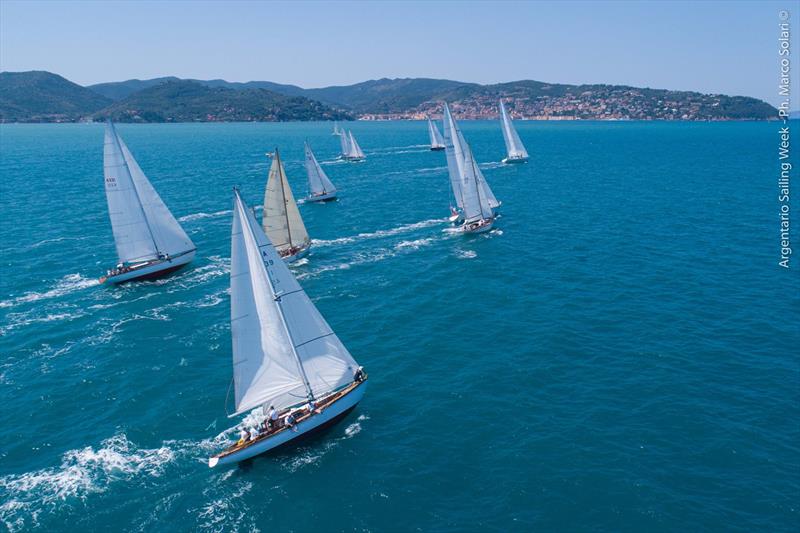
x: 282, y: 222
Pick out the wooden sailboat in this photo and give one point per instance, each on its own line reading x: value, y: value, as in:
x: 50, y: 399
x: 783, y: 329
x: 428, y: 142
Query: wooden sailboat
x: 437, y: 142
x: 285, y: 355
x: 351, y: 151
x: 320, y: 188
x: 281, y: 218
x: 514, y: 148
x: 150, y: 242
x: 456, y: 152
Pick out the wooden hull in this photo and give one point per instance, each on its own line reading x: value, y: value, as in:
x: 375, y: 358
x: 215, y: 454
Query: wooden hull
x: 151, y: 270
x: 331, y: 414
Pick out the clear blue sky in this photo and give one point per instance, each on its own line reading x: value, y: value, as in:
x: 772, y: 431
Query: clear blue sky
x: 726, y: 47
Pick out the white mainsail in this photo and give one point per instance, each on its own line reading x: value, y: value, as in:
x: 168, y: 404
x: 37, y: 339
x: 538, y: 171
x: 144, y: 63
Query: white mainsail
x: 336, y: 130
x: 476, y: 204
x: 514, y: 145
x: 354, y: 149
x: 436, y: 138
x: 318, y: 182
x: 283, y: 349
x: 282, y: 222
x: 455, y: 155
x: 344, y: 140
x: 143, y: 226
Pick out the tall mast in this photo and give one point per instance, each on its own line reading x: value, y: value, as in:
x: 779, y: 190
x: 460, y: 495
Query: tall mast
x: 135, y: 190
x: 283, y: 192
x: 475, y: 179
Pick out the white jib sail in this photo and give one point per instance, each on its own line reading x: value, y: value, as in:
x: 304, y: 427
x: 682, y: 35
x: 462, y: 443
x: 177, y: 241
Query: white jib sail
x: 167, y: 232
x: 455, y: 155
x: 282, y: 222
x: 436, y: 138
x: 514, y: 145
x: 283, y: 349
x: 318, y: 182
x: 344, y: 140
x: 355, y: 149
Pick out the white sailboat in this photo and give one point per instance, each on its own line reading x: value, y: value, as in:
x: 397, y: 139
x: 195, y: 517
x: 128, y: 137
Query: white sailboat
x: 320, y: 187
x: 150, y: 242
x: 281, y: 218
x: 437, y: 142
x: 478, y: 214
x: 336, y: 129
x: 351, y: 151
x: 514, y: 147
x: 285, y: 355
x: 455, y: 150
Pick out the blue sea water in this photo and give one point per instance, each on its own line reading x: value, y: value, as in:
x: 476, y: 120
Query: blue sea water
x: 619, y: 354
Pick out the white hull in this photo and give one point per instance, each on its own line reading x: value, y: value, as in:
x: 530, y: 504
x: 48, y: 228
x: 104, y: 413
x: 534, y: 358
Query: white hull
x: 481, y: 229
x: 321, y: 197
x: 338, y: 407
x: 515, y: 160
x: 299, y: 255
x: 151, y: 269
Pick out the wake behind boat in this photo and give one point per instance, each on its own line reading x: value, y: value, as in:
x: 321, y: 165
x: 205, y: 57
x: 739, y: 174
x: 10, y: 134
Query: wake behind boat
x: 514, y: 148
x: 281, y: 218
x: 150, y: 242
x: 320, y: 188
x: 289, y: 367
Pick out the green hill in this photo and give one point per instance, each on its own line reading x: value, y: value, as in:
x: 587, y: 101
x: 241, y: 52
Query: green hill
x: 189, y: 101
x: 38, y: 96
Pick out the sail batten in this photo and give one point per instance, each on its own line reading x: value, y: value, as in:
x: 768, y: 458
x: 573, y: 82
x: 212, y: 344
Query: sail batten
x: 283, y: 349
x: 514, y: 146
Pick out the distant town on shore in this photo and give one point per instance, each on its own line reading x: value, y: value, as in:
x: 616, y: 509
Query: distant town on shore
x: 39, y: 96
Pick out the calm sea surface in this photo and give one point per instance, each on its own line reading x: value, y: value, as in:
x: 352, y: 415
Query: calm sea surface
x: 619, y: 354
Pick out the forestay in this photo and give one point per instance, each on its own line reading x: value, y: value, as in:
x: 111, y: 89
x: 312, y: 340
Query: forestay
x: 283, y: 349
x: 318, y: 182
x: 514, y: 145
x: 282, y: 222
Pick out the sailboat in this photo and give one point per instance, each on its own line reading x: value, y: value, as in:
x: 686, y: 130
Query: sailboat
x: 516, y: 151
x: 336, y: 129
x: 320, y: 187
x: 285, y: 355
x: 351, y: 151
x: 437, y: 142
x: 150, y: 242
x: 455, y: 150
x: 478, y: 214
x: 282, y: 222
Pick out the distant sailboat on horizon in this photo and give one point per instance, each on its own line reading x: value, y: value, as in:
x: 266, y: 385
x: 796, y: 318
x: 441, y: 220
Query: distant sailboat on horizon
x: 336, y: 129
x: 149, y: 240
x: 320, y: 187
x: 290, y: 370
x: 516, y: 152
x: 437, y: 142
x: 351, y: 151
x: 462, y: 171
x: 281, y: 218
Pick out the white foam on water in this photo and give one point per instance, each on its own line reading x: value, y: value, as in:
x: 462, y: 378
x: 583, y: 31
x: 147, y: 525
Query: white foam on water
x: 466, y: 254
x: 19, y: 320
x: 66, y: 285
x: 81, y: 473
x: 200, y: 216
x: 379, y: 234
x: 57, y: 239
x: 225, y: 509
x: 413, y: 245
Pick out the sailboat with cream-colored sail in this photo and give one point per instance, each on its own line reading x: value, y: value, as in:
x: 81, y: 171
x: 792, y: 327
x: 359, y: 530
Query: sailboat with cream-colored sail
x: 437, y: 142
x: 514, y: 147
x: 286, y: 358
x: 150, y: 242
x: 281, y: 219
x: 456, y: 151
x: 320, y: 187
x: 351, y: 151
